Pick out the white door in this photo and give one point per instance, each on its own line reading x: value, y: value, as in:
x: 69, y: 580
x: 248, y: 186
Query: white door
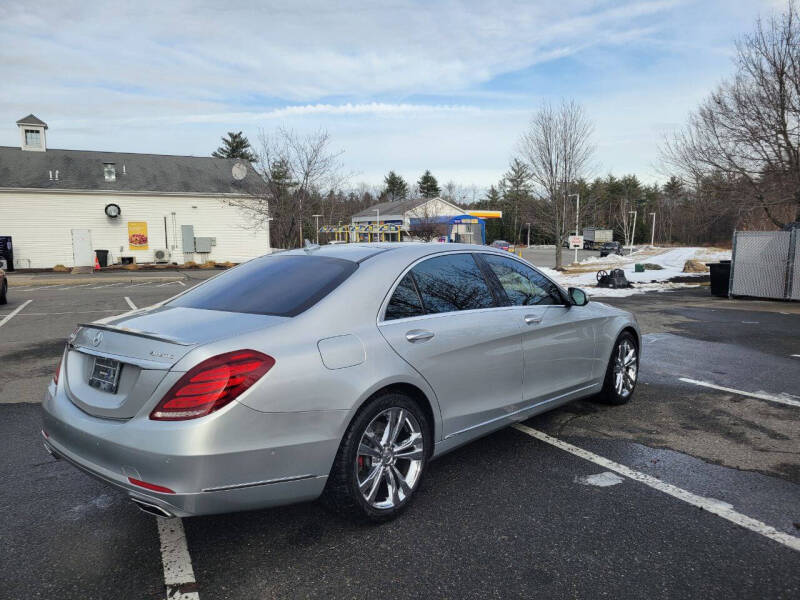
x: 82, y: 253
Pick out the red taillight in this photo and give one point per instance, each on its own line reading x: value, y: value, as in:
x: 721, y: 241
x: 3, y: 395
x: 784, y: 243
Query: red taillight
x: 150, y: 486
x: 212, y: 384
x: 58, y: 370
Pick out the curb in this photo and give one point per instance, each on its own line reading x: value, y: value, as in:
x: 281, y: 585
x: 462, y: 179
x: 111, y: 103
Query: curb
x: 24, y: 281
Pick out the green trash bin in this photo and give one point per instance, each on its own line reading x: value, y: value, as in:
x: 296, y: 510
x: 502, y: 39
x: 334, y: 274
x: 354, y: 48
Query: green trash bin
x: 639, y: 268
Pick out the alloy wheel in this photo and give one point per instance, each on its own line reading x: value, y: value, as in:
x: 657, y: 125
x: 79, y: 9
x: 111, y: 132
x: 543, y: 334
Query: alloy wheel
x: 625, y: 368
x: 389, y: 458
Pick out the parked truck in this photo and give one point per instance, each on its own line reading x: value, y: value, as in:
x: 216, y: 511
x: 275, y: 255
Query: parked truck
x: 594, y: 237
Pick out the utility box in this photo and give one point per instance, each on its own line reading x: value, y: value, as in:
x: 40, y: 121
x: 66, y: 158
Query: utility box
x: 203, y: 244
x: 187, y: 239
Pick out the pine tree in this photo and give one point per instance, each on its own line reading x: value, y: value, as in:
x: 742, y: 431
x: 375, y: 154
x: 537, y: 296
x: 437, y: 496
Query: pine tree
x: 428, y: 186
x: 516, y: 192
x: 235, y: 146
x: 396, y: 187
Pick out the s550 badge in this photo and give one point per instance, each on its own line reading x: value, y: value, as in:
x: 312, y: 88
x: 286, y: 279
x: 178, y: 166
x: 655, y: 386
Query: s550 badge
x: 161, y: 355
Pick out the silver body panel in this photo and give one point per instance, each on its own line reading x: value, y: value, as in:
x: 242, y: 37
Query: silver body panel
x: 481, y: 370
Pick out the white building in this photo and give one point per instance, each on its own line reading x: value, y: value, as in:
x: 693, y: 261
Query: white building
x: 59, y: 206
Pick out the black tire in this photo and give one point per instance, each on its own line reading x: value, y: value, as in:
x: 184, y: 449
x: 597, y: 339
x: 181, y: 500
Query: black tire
x: 4, y: 292
x: 610, y: 394
x: 342, y: 494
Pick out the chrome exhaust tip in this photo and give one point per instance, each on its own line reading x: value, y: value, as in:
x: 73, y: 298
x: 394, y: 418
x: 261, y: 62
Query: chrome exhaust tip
x: 152, y: 509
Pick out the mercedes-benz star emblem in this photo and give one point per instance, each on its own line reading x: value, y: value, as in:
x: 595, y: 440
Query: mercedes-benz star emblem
x: 98, y: 338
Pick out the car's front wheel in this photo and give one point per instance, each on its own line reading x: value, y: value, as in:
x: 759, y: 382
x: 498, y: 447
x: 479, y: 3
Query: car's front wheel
x: 622, y: 371
x: 380, y: 461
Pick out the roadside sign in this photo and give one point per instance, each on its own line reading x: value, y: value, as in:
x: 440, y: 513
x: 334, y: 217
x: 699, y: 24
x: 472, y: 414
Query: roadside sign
x: 575, y: 242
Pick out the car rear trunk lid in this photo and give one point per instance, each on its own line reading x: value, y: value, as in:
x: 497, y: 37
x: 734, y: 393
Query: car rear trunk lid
x: 114, y: 366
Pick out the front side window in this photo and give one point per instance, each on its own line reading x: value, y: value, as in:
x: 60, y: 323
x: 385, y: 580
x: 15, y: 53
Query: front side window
x: 405, y: 301
x: 271, y: 285
x: 523, y: 285
x: 33, y: 138
x: 451, y: 283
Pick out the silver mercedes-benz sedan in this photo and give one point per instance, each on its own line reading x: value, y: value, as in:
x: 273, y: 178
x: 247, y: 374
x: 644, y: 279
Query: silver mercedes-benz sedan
x: 336, y: 372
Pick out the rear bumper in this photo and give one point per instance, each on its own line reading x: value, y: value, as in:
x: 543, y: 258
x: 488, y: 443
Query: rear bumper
x: 236, y: 459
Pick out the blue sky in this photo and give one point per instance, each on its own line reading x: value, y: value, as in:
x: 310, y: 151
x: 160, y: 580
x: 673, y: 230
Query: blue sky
x: 446, y: 86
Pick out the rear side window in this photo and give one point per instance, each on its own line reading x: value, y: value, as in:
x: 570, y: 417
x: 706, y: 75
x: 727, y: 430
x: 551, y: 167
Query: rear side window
x: 272, y: 285
x: 523, y: 285
x: 451, y: 283
x: 405, y: 301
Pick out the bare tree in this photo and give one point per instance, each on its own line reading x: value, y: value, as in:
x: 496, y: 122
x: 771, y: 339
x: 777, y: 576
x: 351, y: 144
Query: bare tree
x: 426, y: 222
x: 746, y: 134
x: 300, y: 172
x: 558, y: 149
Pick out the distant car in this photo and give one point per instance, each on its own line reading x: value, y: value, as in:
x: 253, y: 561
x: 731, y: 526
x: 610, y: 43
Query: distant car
x: 610, y: 248
x: 3, y: 287
x: 502, y: 245
x: 337, y: 242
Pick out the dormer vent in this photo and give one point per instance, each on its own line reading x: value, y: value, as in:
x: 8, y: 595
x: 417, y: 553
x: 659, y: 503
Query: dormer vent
x: 109, y: 171
x: 51, y: 175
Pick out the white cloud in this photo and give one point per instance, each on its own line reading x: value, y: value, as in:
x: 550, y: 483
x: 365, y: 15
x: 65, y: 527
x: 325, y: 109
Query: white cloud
x: 408, y: 85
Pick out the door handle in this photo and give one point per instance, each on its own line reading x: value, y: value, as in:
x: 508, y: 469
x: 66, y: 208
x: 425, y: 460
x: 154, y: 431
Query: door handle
x: 419, y: 335
x: 533, y: 319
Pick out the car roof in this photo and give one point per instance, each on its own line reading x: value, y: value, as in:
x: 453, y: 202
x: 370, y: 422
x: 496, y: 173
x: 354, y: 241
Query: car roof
x: 358, y: 252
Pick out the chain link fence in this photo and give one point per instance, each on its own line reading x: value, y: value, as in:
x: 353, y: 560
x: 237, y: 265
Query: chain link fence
x: 766, y: 264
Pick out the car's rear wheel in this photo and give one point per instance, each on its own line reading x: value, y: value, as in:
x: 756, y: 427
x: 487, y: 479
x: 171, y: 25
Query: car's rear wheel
x: 4, y: 292
x: 622, y: 372
x: 380, y: 461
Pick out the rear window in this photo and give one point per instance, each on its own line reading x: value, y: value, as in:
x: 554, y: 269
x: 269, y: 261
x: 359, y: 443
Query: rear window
x: 272, y: 285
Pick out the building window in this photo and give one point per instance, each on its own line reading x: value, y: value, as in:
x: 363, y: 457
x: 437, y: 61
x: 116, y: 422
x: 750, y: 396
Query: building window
x: 33, y: 137
x: 109, y: 171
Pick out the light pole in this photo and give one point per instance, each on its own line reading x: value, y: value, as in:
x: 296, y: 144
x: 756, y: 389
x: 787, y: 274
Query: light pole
x: 316, y: 226
x: 378, y: 210
x: 653, y: 231
x: 633, y: 230
x: 577, y: 217
x: 529, y: 234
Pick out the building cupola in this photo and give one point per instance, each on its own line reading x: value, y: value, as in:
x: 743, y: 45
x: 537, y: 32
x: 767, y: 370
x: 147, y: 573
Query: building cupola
x: 32, y: 133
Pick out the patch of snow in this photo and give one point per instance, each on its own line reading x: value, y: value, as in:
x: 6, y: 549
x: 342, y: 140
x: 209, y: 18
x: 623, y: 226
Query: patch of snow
x: 671, y: 261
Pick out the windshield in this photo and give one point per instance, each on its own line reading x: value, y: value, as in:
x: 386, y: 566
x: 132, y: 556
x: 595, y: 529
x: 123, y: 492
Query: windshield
x: 282, y: 285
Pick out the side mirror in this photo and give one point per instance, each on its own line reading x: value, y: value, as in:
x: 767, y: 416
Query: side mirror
x: 578, y: 296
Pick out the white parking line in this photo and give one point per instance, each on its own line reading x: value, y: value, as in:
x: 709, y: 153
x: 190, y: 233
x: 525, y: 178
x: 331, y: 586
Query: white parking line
x: 178, y: 572
x: 163, y: 284
x: 710, y: 504
x: 105, y: 285
x: 181, y: 283
x: 138, y: 284
x: 130, y: 303
x: 758, y: 395
x: 10, y: 316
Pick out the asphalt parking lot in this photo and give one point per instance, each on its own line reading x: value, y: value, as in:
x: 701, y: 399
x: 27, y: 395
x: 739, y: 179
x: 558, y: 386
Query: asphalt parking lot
x: 690, y: 491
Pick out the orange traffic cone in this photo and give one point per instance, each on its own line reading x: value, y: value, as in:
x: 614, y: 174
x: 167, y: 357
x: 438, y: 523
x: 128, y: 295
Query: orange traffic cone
x: 96, y: 263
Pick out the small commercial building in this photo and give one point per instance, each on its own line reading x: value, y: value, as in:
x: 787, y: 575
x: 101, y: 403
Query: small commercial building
x: 61, y: 206
x: 396, y: 221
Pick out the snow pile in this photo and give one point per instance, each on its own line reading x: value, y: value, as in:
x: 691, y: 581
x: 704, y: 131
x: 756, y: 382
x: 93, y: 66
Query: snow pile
x: 670, y: 260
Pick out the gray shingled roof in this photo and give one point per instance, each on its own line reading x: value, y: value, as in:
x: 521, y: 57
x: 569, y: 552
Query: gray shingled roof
x: 397, y: 207
x: 83, y: 170
x: 32, y: 120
